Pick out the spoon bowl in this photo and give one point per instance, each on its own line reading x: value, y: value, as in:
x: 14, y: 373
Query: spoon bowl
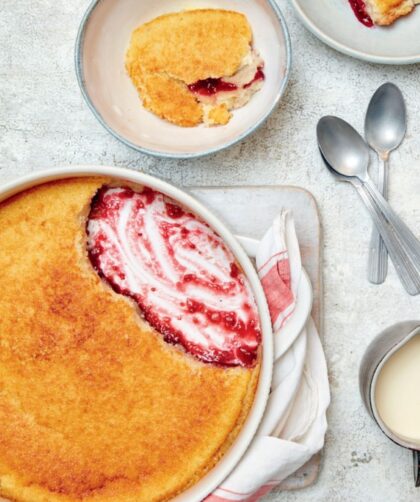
x: 338, y: 176
x: 386, y: 119
x: 342, y: 147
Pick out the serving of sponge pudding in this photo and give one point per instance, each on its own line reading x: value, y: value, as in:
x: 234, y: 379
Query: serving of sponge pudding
x: 130, y: 344
x: 382, y: 12
x: 195, y: 66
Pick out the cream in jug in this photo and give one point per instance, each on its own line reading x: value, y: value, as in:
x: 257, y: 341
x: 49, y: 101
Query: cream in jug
x: 397, y: 392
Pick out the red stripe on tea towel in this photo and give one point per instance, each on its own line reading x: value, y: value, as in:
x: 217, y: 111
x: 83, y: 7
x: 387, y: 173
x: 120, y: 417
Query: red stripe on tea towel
x: 276, y: 284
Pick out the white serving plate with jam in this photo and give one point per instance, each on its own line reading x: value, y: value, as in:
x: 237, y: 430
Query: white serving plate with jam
x: 101, y: 44
x: 209, y: 482
x: 334, y: 22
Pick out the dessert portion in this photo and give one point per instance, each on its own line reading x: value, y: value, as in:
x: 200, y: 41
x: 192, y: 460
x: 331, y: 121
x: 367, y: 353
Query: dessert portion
x: 381, y: 12
x: 178, y: 270
x: 195, y: 66
x: 95, y: 405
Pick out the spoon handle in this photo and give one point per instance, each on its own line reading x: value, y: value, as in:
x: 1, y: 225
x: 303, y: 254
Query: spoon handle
x: 403, y: 264
x: 412, y: 243
x: 378, y: 254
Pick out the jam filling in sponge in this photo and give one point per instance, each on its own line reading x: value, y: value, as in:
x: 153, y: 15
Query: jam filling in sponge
x: 179, y: 271
x: 381, y: 12
x: 195, y: 66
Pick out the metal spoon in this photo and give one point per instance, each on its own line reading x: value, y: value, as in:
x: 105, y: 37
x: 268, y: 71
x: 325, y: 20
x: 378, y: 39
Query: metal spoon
x: 385, y: 127
x: 348, y: 156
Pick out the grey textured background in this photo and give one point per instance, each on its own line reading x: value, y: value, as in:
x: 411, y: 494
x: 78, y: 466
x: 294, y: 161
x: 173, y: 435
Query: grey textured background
x: 44, y: 123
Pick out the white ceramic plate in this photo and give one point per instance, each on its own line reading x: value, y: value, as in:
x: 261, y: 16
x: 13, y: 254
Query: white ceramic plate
x: 207, y: 484
x: 100, y: 48
x: 334, y: 22
x: 304, y: 299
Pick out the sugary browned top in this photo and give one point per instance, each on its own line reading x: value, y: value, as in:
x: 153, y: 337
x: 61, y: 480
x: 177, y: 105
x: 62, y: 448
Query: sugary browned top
x: 386, y: 5
x: 191, y: 45
x: 93, y: 404
x: 181, y: 48
x: 385, y: 12
x: 169, y: 99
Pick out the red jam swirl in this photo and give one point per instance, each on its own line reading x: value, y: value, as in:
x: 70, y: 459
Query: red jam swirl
x: 259, y: 75
x: 359, y: 8
x: 178, y: 270
x: 212, y: 86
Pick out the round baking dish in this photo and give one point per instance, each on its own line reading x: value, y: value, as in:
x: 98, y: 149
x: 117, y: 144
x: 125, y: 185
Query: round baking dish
x: 101, y: 44
x: 209, y: 482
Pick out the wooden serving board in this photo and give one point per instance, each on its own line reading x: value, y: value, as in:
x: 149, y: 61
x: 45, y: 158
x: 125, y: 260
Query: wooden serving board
x: 249, y: 211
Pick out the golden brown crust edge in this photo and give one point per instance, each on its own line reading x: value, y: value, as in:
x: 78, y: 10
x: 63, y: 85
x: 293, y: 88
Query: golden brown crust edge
x: 386, y: 12
x: 199, y: 44
x: 170, y: 99
x: 23, y: 444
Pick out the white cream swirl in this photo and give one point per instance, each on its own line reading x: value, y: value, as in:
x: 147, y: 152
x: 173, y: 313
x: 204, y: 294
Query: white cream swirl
x: 183, y: 277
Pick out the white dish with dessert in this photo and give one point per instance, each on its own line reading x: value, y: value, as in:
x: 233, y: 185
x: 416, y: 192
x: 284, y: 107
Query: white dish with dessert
x: 213, y: 478
x: 137, y: 90
x: 379, y: 31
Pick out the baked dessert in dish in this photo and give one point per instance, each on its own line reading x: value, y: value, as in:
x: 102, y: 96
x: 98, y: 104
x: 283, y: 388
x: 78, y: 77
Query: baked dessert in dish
x: 381, y: 12
x: 95, y: 404
x: 195, y: 66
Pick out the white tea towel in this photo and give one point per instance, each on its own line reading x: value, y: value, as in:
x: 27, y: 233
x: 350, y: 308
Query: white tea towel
x: 294, y: 424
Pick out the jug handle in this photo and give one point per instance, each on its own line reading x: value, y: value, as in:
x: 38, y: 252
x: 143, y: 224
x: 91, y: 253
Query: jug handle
x: 416, y: 461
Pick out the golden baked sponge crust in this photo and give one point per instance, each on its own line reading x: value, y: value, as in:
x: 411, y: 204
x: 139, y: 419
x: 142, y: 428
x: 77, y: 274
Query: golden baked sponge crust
x: 94, y: 405
x: 174, y: 50
x: 385, y: 12
x: 169, y: 98
x: 191, y: 45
